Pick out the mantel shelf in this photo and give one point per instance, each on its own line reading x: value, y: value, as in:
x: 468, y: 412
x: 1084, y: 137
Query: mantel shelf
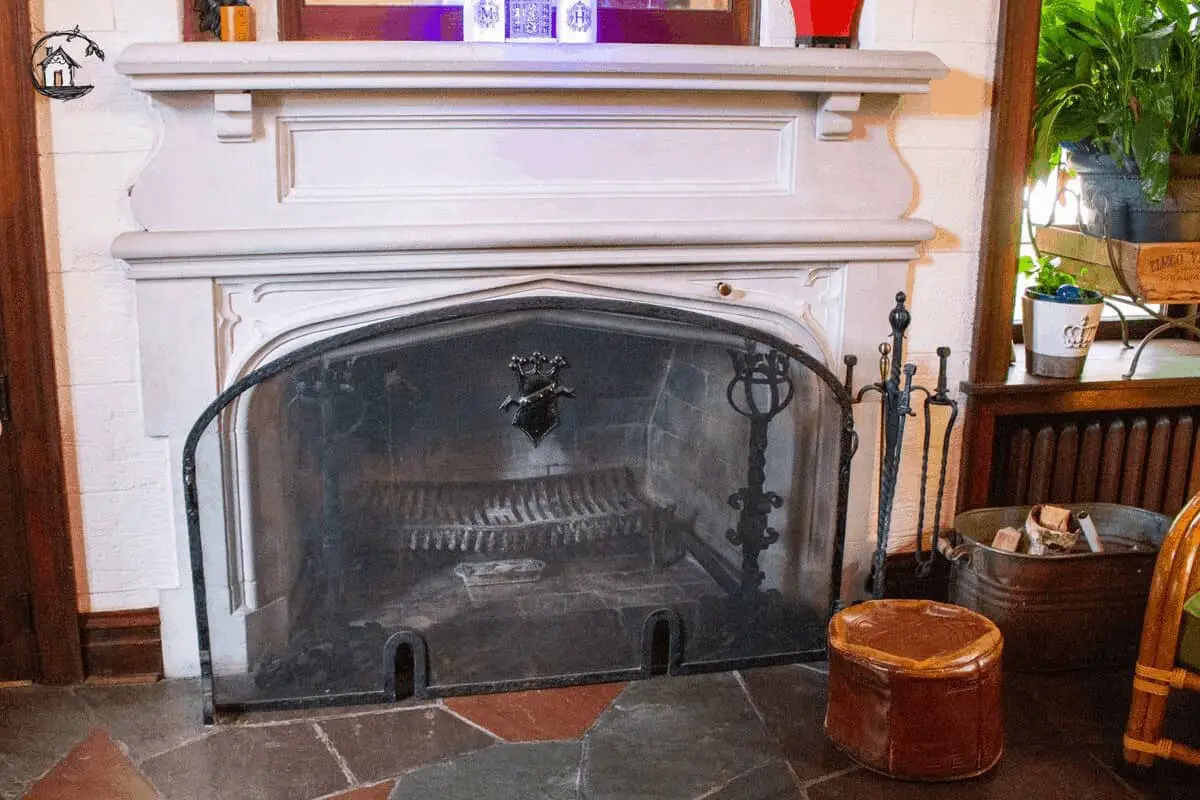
x: 318, y: 66
x: 406, y: 147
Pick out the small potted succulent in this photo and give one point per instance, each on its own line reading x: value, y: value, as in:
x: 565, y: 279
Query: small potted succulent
x: 1059, y: 319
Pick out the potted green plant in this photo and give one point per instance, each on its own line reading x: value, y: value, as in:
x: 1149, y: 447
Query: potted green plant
x: 1118, y: 88
x: 1059, y: 319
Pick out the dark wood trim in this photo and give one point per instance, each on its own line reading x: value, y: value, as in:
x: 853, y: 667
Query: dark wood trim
x: 288, y: 14
x: 746, y: 22
x: 191, y: 25
x: 25, y: 310
x: 1062, y: 396
x: 122, y: 644
x: 1008, y: 159
x: 979, y: 429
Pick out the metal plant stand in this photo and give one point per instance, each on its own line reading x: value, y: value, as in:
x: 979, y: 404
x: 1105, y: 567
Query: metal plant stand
x: 895, y: 388
x: 1065, y: 243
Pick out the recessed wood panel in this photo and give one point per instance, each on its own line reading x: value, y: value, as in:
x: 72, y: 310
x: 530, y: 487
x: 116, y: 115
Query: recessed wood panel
x: 122, y: 644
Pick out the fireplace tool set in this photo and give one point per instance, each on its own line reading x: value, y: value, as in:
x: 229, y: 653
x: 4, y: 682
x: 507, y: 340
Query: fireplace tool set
x: 337, y: 638
x: 895, y: 388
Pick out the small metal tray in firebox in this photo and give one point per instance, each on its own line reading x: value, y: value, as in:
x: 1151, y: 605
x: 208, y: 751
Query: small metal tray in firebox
x: 492, y: 573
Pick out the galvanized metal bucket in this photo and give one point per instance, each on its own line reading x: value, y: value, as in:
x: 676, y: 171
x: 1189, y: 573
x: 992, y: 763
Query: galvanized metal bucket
x: 1070, y: 611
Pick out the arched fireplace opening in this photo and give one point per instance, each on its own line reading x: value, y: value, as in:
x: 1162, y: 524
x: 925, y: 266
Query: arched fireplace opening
x: 513, y: 494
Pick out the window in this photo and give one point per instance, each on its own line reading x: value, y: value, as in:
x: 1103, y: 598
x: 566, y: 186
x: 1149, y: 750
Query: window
x: 1046, y: 209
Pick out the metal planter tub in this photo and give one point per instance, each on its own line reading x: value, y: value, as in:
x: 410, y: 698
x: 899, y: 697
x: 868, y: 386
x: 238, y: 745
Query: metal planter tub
x: 1113, y: 204
x: 1070, y: 611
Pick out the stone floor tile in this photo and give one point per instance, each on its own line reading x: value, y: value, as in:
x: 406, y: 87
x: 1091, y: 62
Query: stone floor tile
x: 1024, y: 773
x: 792, y: 701
x: 279, y: 762
x: 1166, y: 780
x: 258, y: 717
x: 1087, y: 707
x: 378, y: 746
x: 668, y: 739
x: 149, y: 718
x: 38, y: 725
x: 378, y: 791
x: 1028, y: 711
x: 538, y: 716
x: 96, y: 769
x: 773, y: 781
x: 530, y: 771
x: 674, y: 739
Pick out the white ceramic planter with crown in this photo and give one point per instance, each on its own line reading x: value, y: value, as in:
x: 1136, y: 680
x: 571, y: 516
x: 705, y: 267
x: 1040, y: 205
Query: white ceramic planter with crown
x: 1058, y: 332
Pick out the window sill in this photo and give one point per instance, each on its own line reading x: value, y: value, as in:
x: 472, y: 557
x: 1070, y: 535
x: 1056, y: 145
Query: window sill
x: 1169, y: 365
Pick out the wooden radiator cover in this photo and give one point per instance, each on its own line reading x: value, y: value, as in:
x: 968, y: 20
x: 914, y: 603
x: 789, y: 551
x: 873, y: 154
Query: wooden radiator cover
x: 1149, y: 459
x: 1130, y: 442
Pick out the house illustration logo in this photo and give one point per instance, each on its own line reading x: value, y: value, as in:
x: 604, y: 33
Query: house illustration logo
x: 57, y: 64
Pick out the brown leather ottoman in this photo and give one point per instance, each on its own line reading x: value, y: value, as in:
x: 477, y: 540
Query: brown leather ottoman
x: 914, y: 689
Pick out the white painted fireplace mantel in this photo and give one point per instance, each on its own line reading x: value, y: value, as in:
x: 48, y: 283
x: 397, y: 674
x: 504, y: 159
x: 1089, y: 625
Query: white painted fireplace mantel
x: 299, y: 189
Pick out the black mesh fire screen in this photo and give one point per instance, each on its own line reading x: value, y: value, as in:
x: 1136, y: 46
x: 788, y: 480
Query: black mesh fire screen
x: 514, y: 494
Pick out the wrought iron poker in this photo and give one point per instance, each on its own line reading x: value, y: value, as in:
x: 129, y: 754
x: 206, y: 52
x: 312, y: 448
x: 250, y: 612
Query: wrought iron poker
x: 895, y: 387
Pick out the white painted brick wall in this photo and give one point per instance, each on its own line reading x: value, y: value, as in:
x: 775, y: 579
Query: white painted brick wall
x: 943, y: 137
x: 93, y: 148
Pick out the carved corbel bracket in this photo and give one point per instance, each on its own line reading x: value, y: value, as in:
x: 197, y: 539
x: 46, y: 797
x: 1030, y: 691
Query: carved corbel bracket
x: 835, y: 115
x: 233, y: 113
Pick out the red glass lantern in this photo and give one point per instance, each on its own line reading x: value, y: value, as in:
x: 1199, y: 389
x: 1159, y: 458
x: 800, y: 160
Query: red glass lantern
x: 828, y: 23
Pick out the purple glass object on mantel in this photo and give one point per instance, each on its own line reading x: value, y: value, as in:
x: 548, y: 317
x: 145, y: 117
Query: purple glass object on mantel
x: 531, y: 20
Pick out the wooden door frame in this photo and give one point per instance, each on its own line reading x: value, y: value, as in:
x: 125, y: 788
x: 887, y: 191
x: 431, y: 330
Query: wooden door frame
x: 1000, y: 243
x: 29, y: 355
x: 1008, y: 161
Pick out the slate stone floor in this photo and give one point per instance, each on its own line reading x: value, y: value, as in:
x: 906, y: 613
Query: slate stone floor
x: 754, y: 735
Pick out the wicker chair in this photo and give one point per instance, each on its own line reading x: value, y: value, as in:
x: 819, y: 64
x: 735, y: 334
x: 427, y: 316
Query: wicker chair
x: 1176, y: 578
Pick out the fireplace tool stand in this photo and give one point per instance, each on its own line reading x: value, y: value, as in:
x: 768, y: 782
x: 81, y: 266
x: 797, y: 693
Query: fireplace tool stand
x: 895, y: 388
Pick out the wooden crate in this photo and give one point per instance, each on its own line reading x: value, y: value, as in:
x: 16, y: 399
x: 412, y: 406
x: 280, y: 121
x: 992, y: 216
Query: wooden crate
x: 1157, y: 272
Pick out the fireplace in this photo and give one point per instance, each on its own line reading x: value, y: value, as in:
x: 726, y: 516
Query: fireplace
x: 524, y: 493
x: 498, y: 335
